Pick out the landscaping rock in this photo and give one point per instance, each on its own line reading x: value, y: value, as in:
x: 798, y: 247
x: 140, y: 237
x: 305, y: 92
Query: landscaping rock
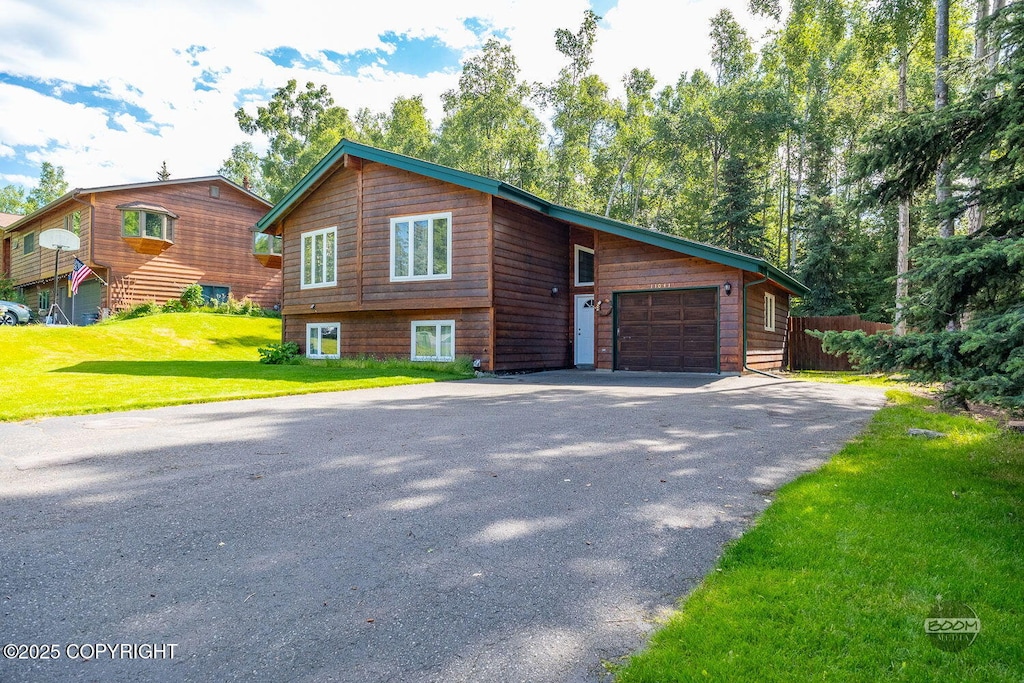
x: 927, y: 433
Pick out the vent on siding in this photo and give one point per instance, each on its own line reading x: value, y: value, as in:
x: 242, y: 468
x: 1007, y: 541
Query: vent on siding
x: 214, y: 191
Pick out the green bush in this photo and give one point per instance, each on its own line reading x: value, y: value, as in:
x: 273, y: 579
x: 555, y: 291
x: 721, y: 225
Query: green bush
x: 138, y: 311
x: 8, y: 291
x: 279, y: 354
x: 235, y: 307
x: 192, y: 297
x: 173, y: 306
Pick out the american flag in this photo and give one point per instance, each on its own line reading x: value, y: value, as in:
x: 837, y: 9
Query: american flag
x: 80, y: 272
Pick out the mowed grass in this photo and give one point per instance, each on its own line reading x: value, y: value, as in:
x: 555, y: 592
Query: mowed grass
x: 835, y: 580
x: 170, y: 359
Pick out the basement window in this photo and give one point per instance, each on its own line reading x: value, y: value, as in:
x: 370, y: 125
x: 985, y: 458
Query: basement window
x: 433, y: 340
x: 322, y: 340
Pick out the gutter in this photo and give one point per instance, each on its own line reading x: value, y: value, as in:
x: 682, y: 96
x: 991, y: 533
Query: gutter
x: 745, y: 366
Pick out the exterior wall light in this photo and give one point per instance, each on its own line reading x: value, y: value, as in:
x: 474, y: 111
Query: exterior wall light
x: 728, y: 289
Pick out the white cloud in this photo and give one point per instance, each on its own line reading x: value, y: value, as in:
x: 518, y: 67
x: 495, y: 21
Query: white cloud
x: 141, y: 52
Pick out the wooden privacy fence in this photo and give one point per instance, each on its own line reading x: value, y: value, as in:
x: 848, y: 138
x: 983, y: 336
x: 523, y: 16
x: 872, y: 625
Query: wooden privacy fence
x: 804, y: 351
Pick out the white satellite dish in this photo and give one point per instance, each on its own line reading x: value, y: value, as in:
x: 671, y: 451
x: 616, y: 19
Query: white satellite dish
x: 58, y: 238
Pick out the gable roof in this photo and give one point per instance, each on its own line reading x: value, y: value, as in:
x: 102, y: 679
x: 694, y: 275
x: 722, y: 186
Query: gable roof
x: 497, y: 188
x: 131, y: 186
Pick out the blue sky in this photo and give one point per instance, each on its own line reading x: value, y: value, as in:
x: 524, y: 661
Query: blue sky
x: 111, y: 89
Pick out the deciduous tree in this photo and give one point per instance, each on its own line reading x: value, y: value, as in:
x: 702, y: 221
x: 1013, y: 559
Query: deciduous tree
x: 51, y: 186
x: 489, y: 127
x: 301, y: 127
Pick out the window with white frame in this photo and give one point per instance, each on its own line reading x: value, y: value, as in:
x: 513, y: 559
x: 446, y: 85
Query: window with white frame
x: 323, y: 340
x: 151, y: 224
x: 421, y: 247
x: 584, y: 266
x: 319, y: 258
x: 433, y: 340
x: 769, y: 312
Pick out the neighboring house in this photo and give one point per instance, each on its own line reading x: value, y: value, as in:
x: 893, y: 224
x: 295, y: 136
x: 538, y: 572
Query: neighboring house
x: 388, y: 255
x: 146, y: 241
x: 6, y: 219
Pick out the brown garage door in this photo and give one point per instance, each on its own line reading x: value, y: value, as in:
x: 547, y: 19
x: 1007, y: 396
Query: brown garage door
x: 667, y: 331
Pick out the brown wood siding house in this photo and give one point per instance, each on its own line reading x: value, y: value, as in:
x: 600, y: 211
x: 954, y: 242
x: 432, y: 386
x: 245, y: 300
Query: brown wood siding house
x: 146, y: 241
x: 386, y: 255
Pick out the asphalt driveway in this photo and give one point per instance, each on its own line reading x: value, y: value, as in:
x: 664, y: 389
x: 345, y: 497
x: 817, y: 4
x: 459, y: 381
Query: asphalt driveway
x: 525, y: 528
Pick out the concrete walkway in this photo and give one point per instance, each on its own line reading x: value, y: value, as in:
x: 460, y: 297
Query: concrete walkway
x: 524, y: 528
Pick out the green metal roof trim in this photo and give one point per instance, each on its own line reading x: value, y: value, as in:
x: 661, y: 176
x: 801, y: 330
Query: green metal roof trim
x: 498, y: 188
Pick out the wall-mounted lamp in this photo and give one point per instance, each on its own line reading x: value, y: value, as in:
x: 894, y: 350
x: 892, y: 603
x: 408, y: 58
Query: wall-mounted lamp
x: 312, y: 307
x: 728, y: 289
x: 554, y: 291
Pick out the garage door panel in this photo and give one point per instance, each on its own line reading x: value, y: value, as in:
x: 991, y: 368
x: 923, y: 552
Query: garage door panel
x: 699, y: 297
x: 700, y: 365
x: 638, y: 314
x: 662, y: 331
x: 667, y: 347
x: 698, y: 347
x: 668, y: 331
x: 634, y: 348
x: 661, y: 314
x: 701, y: 315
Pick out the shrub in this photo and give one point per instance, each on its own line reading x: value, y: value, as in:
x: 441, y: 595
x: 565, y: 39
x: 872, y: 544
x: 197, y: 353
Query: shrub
x: 192, y: 297
x: 173, y: 306
x: 279, y: 354
x: 8, y: 291
x: 234, y: 307
x: 138, y: 311
x: 249, y: 307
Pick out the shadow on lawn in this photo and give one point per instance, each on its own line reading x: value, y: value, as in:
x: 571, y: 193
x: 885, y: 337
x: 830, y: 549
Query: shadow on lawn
x: 250, y: 341
x: 237, y: 369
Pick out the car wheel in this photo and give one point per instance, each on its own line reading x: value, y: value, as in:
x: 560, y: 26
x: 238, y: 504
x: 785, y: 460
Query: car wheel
x: 8, y: 318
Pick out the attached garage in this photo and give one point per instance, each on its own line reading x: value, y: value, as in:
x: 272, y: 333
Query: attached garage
x: 667, y: 330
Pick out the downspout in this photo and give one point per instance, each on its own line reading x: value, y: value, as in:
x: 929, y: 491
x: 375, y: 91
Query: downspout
x: 745, y: 366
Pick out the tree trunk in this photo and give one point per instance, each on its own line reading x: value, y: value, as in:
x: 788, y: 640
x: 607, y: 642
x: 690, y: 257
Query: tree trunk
x: 790, y: 252
x: 942, y: 189
x: 975, y: 214
x: 903, y: 229
x: 617, y: 184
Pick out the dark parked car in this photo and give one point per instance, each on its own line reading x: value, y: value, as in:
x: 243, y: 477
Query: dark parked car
x: 12, y: 313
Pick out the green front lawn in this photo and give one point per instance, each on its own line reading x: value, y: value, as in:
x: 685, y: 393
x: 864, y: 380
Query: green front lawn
x: 170, y: 359
x: 834, y: 582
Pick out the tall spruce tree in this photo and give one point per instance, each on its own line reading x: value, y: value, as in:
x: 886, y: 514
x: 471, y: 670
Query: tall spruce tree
x: 736, y: 213
x: 975, y: 280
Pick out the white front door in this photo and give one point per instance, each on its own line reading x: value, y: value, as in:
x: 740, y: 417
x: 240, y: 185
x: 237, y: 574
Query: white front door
x: 584, y: 344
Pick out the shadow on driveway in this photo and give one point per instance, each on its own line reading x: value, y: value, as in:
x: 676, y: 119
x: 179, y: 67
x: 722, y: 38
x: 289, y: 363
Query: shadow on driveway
x: 518, y: 528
